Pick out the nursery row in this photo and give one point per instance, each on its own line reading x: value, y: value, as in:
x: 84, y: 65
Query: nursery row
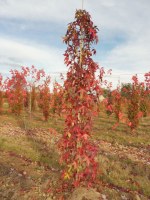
x: 29, y: 90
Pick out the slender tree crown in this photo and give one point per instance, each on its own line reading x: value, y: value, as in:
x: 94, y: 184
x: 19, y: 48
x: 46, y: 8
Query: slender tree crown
x: 80, y: 86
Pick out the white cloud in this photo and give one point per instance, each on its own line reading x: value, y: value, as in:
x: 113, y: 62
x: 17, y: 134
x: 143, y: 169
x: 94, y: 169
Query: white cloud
x: 21, y: 53
x: 130, y: 19
x: 115, y: 15
x: 132, y: 56
x: 46, y: 10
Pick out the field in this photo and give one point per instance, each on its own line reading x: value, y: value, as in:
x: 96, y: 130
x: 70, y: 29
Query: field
x: 29, y: 159
x: 87, y: 136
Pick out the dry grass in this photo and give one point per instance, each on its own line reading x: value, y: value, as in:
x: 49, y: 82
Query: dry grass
x: 125, y: 175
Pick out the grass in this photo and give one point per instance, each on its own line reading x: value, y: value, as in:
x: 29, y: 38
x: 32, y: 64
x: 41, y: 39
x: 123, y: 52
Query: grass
x: 122, y: 135
x: 32, y: 148
x: 126, y: 174
x: 130, y: 176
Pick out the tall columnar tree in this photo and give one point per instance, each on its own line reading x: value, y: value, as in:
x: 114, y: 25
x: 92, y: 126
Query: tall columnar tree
x: 133, y: 111
x: 117, y: 99
x: 147, y: 81
x: 109, y: 103
x: 81, y: 88
x: 57, y: 99
x: 1, y: 93
x: 145, y: 100
x: 44, y: 97
x: 145, y: 96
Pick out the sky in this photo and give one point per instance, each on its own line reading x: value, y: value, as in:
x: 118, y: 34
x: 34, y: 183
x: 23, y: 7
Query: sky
x: 31, y: 33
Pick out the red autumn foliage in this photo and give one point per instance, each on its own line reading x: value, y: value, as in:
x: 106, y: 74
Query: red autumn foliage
x: 109, y: 103
x: 133, y: 110
x: 147, y: 81
x: 33, y: 78
x: 145, y: 96
x: 81, y: 89
x: 117, y: 100
x: 16, y: 90
x: 57, y: 99
x: 44, y: 97
x: 26, y: 100
x: 1, y: 93
x: 21, y: 88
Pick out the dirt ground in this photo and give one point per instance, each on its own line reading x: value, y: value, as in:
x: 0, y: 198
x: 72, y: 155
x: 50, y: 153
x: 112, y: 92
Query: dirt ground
x: 29, y: 168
